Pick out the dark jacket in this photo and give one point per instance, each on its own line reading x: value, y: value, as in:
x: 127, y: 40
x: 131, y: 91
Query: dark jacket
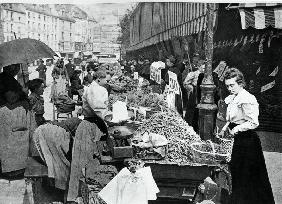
x: 75, y: 83
x: 9, y: 83
x: 42, y: 71
x: 70, y: 69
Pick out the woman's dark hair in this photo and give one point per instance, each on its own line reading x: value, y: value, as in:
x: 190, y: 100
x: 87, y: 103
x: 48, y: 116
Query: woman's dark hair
x: 34, y: 84
x: 12, y: 69
x: 234, y: 72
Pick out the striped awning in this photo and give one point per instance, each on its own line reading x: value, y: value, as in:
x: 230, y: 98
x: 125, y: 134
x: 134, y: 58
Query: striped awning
x: 257, y: 5
x: 261, y: 15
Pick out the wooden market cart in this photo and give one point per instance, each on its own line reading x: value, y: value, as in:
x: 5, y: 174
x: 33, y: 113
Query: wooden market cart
x: 177, y: 184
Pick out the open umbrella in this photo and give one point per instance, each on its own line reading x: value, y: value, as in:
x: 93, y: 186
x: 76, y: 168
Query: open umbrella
x: 24, y: 50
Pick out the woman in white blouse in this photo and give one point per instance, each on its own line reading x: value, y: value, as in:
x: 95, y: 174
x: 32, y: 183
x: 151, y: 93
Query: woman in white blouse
x: 250, y: 183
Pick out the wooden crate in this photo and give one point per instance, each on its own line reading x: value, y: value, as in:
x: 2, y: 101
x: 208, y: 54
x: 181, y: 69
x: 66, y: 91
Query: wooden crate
x: 120, y: 152
x: 174, y: 171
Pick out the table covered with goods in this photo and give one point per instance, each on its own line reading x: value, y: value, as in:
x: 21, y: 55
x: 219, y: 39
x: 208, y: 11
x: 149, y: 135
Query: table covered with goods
x: 158, y: 137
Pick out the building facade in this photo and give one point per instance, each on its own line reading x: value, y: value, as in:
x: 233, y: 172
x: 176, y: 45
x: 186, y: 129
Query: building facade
x: 13, y: 21
x: 43, y: 25
x: 64, y: 28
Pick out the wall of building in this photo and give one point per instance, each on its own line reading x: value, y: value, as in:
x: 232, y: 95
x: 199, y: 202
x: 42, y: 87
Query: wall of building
x: 13, y: 22
x: 58, y: 26
x: 44, y: 27
x: 1, y: 26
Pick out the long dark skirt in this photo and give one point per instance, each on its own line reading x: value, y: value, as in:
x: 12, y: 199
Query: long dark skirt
x: 250, y: 182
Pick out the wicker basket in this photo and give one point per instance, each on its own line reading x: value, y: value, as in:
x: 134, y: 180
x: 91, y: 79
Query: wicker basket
x: 207, y: 157
x: 227, y: 144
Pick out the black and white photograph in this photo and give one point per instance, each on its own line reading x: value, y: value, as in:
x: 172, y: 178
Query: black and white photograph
x: 140, y: 102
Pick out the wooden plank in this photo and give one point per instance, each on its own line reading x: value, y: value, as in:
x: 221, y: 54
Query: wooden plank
x: 173, y: 14
x: 169, y: 15
x: 194, y: 11
x: 182, y: 12
x: 190, y: 12
x: 162, y: 22
x: 138, y: 14
x: 176, y: 13
x: 187, y: 12
x: 179, y: 13
x: 199, y: 10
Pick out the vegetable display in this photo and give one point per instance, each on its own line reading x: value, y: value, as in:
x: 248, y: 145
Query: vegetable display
x: 179, y: 134
x: 166, y: 122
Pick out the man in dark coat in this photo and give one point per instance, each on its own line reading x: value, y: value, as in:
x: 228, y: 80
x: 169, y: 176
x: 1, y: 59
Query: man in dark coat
x: 42, y: 71
x: 70, y: 68
x: 76, y: 84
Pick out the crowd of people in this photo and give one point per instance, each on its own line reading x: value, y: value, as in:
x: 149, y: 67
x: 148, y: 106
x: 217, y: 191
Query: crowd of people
x: 190, y: 74
x: 67, y: 147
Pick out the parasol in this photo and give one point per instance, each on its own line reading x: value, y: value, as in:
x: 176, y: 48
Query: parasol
x: 24, y: 50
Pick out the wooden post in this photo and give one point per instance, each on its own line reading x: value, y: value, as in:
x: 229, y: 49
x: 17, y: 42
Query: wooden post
x: 207, y: 107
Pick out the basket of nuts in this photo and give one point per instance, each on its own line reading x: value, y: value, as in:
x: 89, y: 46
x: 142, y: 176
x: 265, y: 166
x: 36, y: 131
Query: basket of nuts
x: 209, y: 152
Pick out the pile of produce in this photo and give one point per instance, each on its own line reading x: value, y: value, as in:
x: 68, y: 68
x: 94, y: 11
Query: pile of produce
x: 142, y: 97
x: 179, y: 134
x: 126, y: 83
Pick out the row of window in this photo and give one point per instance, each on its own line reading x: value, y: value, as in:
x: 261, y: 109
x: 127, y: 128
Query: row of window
x: 32, y: 26
x: 10, y: 16
x: 45, y: 18
x: 12, y: 37
x: 52, y: 36
x: 12, y: 28
x: 53, y: 19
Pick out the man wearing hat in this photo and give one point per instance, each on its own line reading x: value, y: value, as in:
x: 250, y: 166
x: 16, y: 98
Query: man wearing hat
x: 42, y: 71
x: 76, y: 83
x: 70, y: 68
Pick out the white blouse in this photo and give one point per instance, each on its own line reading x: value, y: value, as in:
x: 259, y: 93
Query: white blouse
x: 242, y: 109
x: 95, y: 99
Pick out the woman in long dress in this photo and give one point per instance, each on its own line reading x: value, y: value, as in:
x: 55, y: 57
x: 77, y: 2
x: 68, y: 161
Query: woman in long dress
x: 250, y: 182
x: 60, y: 82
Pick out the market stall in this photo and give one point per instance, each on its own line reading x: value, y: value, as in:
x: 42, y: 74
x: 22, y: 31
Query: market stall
x: 159, y: 137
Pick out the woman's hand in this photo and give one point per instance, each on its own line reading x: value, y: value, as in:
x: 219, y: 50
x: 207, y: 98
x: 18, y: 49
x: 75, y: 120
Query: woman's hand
x: 222, y: 132
x: 233, y: 131
x: 224, y: 129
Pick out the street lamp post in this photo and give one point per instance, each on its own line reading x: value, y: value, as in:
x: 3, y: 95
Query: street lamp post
x: 207, y: 107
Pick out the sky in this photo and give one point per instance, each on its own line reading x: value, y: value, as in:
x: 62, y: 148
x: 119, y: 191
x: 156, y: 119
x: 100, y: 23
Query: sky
x: 106, y: 13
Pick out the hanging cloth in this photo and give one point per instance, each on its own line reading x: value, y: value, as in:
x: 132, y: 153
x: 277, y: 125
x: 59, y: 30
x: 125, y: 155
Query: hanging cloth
x: 52, y: 143
x: 84, y: 147
x: 127, y: 187
x: 15, y: 126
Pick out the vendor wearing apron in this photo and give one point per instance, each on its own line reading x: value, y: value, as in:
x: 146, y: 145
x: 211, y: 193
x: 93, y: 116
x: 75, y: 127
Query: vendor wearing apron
x: 95, y: 101
x: 91, y: 129
x: 250, y: 183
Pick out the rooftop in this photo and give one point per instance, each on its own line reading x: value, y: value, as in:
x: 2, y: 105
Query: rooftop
x: 14, y: 7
